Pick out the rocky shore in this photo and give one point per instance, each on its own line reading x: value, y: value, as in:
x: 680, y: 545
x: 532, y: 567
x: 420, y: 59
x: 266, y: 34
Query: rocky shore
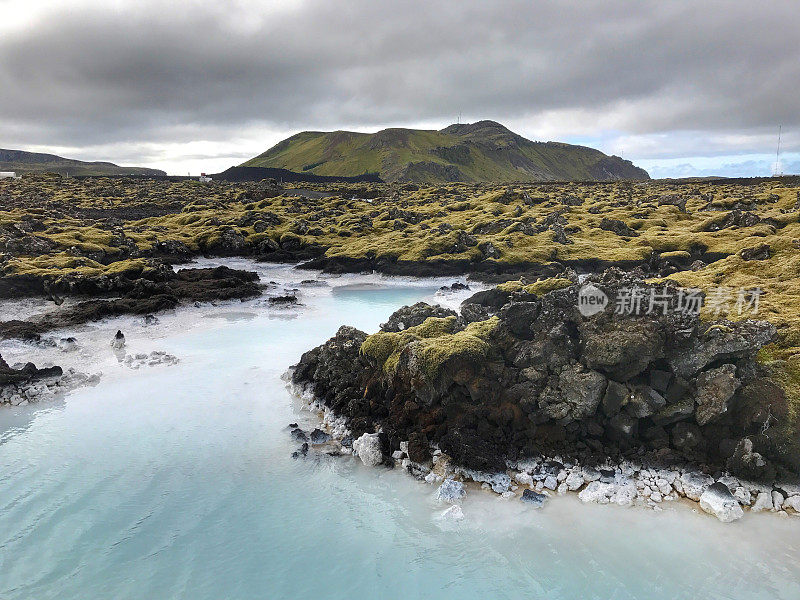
x: 24, y: 384
x: 143, y: 294
x: 645, y: 481
x: 521, y: 390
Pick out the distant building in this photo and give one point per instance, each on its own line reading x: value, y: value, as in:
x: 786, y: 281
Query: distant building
x: 204, y: 178
x: 8, y: 175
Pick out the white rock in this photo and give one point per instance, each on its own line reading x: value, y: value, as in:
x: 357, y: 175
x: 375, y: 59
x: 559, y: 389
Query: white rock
x: 777, y: 499
x: 624, y: 495
x: 574, y: 481
x: 670, y: 476
x: 528, y: 465
x: 729, y: 481
x: 398, y: 455
x: 562, y: 488
x: 656, y: 497
x: 524, y: 478
x: 763, y: 502
x: 791, y: 489
x: 718, y: 501
x: 663, y: 486
x: 792, y: 502
x: 694, y: 484
x: 743, y: 495
x: 550, y: 482
x: 430, y: 478
x: 497, y: 482
x: 508, y: 495
x: 597, y: 492
x: 451, y: 491
x: 368, y: 448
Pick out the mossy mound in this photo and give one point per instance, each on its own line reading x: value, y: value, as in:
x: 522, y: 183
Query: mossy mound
x: 432, y: 345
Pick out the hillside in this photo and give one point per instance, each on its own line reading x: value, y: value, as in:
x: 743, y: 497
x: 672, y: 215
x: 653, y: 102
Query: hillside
x: 21, y: 161
x: 485, y: 151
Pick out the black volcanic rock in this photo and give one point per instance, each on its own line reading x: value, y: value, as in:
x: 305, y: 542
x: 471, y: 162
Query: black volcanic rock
x: 542, y: 378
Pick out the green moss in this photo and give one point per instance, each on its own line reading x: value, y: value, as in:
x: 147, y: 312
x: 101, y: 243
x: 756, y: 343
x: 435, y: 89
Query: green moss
x: 433, y: 344
x: 544, y: 286
x: 511, y: 286
x: 61, y: 264
x: 384, y: 347
x: 681, y: 255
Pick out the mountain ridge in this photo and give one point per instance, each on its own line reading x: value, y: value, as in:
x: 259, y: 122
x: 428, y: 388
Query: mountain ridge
x: 484, y: 151
x: 22, y: 161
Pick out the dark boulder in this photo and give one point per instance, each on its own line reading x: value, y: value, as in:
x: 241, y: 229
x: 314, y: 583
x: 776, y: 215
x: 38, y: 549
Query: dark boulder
x: 762, y: 252
x: 419, y: 449
x: 714, y: 390
x: 533, y: 498
x: 491, y: 299
x: 27, y: 373
x: 618, y: 227
x: 416, y: 314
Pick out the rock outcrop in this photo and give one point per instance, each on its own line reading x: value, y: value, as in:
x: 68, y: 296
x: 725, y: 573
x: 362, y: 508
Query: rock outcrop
x: 27, y: 373
x: 161, y: 290
x: 519, y: 375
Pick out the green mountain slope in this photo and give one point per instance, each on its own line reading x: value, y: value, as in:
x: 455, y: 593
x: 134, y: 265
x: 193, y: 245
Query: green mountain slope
x: 482, y: 151
x: 21, y: 161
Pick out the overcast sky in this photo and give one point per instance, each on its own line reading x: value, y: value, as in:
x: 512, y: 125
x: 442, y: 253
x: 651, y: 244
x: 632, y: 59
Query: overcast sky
x: 681, y: 88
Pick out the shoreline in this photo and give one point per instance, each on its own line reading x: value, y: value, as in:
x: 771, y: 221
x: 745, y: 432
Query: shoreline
x: 622, y: 483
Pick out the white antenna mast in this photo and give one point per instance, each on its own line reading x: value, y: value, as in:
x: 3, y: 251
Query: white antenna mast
x: 778, y: 153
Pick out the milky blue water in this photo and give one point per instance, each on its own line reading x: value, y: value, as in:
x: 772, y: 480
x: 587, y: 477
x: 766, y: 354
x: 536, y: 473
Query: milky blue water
x: 177, y: 482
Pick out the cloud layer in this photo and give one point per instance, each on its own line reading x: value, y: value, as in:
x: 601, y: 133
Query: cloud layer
x: 657, y: 80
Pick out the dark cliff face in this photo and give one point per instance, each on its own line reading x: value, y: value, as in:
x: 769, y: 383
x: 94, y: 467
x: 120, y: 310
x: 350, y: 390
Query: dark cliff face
x: 611, y: 168
x: 516, y: 375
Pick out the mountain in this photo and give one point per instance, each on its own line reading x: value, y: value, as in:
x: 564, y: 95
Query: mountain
x: 482, y: 151
x: 35, y: 162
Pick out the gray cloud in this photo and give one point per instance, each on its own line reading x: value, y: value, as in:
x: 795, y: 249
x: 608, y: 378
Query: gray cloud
x: 92, y: 75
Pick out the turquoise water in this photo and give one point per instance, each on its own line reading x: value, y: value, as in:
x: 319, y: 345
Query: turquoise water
x: 177, y: 482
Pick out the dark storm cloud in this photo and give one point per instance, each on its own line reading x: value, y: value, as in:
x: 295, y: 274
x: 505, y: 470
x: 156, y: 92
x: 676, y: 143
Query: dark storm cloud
x: 146, y: 72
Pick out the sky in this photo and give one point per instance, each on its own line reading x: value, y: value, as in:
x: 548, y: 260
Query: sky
x: 680, y: 88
